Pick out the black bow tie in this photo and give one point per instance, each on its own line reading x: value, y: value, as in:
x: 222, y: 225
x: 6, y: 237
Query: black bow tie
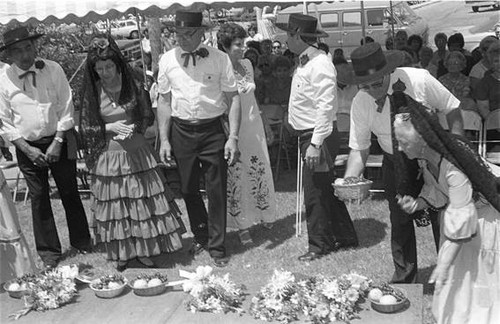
x: 25, y: 75
x: 202, y: 52
x: 303, y: 59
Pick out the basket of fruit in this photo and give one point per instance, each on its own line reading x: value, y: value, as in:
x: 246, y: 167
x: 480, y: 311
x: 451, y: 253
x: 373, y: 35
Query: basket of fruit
x: 149, y: 285
x: 387, y: 299
x: 109, y: 286
x: 352, y: 188
x: 20, y: 287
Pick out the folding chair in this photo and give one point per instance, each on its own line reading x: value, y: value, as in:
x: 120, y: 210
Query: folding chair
x: 491, y: 123
x: 275, y: 116
x: 473, y: 127
x: 11, y: 165
x: 343, y: 126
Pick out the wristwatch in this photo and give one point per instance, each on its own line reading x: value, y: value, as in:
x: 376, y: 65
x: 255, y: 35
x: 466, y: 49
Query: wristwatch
x: 58, y: 139
x: 316, y: 146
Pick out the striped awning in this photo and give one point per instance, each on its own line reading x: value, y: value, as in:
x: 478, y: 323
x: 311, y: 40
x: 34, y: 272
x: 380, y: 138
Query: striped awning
x: 77, y: 11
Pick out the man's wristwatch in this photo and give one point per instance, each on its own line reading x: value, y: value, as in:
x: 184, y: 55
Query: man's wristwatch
x: 58, y: 139
x: 316, y: 146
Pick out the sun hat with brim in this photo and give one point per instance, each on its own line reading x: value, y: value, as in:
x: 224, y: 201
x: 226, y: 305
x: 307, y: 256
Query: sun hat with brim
x: 16, y: 35
x: 303, y: 25
x: 370, y: 63
x: 189, y: 20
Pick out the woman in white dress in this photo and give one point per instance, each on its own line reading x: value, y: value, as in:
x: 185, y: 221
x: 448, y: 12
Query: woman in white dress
x: 464, y: 189
x: 251, y: 196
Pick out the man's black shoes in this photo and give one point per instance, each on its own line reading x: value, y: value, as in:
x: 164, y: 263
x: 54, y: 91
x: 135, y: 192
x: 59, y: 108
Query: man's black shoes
x: 197, y: 248
x: 310, y: 256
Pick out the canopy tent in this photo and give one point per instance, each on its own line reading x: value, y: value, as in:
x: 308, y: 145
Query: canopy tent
x: 81, y: 11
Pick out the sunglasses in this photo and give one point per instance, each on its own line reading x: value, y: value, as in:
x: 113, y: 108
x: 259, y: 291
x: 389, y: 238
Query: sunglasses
x: 375, y: 85
x: 276, y: 47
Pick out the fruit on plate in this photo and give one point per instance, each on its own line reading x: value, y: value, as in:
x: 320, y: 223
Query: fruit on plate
x: 387, y: 289
x: 14, y: 286
x: 388, y: 300
x: 375, y: 294
x: 154, y: 282
x: 140, y: 283
x: 109, y: 282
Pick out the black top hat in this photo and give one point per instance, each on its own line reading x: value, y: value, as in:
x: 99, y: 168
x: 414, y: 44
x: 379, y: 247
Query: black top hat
x: 188, y: 19
x: 370, y: 63
x: 303, y: 25
x: 16, y: 35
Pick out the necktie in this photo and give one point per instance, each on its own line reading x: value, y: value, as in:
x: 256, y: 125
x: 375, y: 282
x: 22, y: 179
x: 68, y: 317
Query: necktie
x: 25, y: 75
x: 380, y: 103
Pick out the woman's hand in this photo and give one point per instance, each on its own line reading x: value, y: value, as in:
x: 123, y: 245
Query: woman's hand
x: 409, y: 204
x: 439, y: 277
x: 121, y: 129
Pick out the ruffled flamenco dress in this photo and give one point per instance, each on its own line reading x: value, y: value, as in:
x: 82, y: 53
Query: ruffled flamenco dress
x: 133, y: 211
x: 15, y: 257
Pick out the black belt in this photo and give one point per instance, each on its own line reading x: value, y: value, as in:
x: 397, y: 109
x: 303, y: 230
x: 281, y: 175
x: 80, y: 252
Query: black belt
x: 196, y: 124
x: 43, y: 140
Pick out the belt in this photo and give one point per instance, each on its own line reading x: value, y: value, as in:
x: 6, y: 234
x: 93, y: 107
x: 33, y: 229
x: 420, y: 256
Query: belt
x: 198, y: 124
x: 43, y: 140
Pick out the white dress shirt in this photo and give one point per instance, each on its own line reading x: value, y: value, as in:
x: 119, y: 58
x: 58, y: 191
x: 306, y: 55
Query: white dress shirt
x: 313, y: 97
x: 34, y: 112
x: 197, y: 91
x: 420, y: 85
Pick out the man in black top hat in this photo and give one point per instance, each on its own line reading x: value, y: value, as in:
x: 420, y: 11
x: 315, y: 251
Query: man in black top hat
x: 382, y: 87
x: 312, y: 113
x: 36, y: 111
x: 197, y: 86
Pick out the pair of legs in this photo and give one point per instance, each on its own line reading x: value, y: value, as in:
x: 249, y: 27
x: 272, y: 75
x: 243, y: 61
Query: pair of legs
x: 199, y: 151
x: 329, y: 224
x: 403, y: 240
x: 37, y: 178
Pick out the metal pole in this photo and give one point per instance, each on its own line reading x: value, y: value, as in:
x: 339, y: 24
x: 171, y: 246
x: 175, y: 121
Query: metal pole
x: 144, y: 67
x: 363, y: 21
x: 392, y: 22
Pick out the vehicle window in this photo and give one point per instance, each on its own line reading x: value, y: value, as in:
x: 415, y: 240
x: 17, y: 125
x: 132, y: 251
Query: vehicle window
x: 352, y: 19
x: 329, y: 20
x: 404, y: 13
x: 375, y: 17
x: 130, y: 23
x: 282, y: 18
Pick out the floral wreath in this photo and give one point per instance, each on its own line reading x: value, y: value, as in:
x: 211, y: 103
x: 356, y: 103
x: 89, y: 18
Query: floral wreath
x: 100, y: 44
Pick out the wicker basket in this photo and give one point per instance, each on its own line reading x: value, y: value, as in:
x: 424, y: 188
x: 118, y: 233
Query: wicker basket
x: 148, y: 291
x: 358, y: 191
x: 15, y: 293
x: 107, y: 293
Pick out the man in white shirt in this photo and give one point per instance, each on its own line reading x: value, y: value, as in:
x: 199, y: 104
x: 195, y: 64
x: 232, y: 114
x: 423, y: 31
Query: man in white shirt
x: 312, y: 113
x: 36, y: 111
x: 197, y: 87
x: 378, y: 78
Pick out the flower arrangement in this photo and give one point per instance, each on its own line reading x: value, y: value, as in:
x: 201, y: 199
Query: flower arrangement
x: 49, y: 291
x: 321, y: 299
x: 214, y: 294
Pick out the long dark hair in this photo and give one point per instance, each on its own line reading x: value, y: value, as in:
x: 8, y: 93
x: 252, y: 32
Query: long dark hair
x: 455, y: 149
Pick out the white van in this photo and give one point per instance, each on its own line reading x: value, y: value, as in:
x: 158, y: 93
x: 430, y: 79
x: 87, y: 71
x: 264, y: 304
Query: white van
x: 343, y: 21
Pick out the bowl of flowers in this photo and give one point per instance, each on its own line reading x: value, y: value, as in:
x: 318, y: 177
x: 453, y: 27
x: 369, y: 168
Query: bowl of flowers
x: 149, y: 285
x: 385, y: 298
x: 352, y: 188
x: 109, y: 286
x: 20, y: 287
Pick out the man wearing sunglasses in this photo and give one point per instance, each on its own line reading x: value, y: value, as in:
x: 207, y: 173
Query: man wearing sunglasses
x: 379, y: 79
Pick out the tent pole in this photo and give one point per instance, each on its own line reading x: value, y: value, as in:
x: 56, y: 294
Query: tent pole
x: 77, y: 70
x: 144, y: 67
x: 392, y: 22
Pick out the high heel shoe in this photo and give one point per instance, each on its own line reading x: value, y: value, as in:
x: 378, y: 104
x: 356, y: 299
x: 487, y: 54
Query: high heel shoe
x: 147, y: 262
x: 121, y: 265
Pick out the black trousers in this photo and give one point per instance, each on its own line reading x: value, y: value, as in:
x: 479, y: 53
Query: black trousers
x: 199, y: 150
x: 37, y: 178
x: 328, y: 220
x: 403, y: 240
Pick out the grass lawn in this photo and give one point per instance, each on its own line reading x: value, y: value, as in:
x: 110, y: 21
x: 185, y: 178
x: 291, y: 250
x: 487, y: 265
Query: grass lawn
x: 278, y: 247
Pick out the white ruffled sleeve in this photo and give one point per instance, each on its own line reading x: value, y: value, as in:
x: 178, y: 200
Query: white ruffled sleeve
x: 460, y: 217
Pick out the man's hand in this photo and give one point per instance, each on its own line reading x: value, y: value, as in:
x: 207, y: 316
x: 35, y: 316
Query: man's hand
x: 166, y: 153
x: 53, y: 152
x: 231, y: 151
x: 312, y: 157
x: 439, y: 277
x: 37, y: 157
